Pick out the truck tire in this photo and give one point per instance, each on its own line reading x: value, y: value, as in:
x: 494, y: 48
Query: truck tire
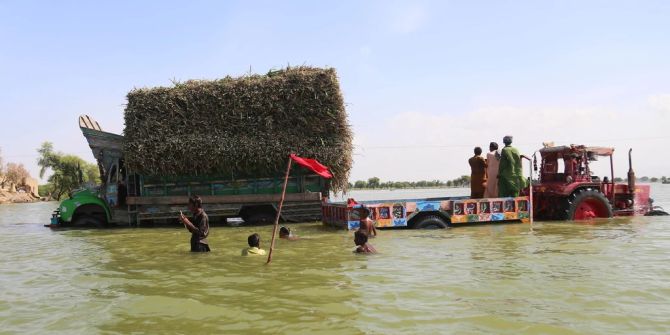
x: 430, y: 222
x: 587, y: 204
x: 89, y: 221
x: 260, y: 219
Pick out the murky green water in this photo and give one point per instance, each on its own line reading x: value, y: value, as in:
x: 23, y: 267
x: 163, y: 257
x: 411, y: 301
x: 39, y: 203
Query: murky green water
x: 611, y: 276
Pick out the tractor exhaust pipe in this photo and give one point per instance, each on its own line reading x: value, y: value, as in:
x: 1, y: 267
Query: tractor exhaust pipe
x: 631, y: 173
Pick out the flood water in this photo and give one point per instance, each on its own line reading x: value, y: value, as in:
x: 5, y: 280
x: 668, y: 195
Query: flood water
x: 603, y: 277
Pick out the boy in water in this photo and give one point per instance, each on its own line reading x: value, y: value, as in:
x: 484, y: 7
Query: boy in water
x: 363, y: 247
x: 286, y: 234
x: 368, y: 227
x: 254, y: 241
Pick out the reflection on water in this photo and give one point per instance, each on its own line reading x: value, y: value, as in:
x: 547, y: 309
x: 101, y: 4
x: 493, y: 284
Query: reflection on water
x: 609, y: 276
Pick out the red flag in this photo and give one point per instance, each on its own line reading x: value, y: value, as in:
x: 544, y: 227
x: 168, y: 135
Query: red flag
x: 313, y: 165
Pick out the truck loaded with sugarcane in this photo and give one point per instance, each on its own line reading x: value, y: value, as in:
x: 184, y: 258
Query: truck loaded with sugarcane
x: 224, y: 140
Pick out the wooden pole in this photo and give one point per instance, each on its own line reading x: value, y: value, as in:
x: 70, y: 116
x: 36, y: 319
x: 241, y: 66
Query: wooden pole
x: 281, y: 203
x: 530, y: 188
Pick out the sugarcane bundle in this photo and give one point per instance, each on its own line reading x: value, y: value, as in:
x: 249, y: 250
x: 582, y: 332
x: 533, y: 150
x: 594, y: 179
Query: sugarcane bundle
x: 239, y: 127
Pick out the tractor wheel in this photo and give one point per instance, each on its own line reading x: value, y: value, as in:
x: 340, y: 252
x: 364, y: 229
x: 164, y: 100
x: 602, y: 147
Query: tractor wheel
x: 430, y: 222
x: 587, y: 204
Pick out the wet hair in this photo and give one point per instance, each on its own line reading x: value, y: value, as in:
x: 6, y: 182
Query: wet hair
x: 195, y: 201
x: 507, y: 140
x: 478, y: 151
x: 283, y: 231
x: 493, y: 146
x: 360, y: 237
x: 254, y: 240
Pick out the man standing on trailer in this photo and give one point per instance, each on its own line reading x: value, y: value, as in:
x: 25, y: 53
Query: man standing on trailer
x: 478, y: 174
x: 510, y: 173
x: 492, y: 164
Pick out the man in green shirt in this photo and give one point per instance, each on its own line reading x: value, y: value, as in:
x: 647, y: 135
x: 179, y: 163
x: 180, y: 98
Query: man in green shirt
x: 510, y: 172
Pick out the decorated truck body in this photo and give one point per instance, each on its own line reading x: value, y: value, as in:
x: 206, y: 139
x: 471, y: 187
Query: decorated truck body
x: 126, y: 197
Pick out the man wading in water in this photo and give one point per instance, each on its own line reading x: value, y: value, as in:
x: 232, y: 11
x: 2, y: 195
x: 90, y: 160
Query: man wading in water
x: 198, y: 226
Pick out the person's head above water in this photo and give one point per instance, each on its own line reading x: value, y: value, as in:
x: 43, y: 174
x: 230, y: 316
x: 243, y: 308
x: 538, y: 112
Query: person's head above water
x: 194, y: 203
x: 493, y: 146
x: 360, y: 238
x: 507, y: 140
x: 254, y: 240
x: 478, y: 151
x: 284, y: 232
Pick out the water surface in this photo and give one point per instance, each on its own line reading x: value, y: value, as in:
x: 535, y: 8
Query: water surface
x: 606, y: 276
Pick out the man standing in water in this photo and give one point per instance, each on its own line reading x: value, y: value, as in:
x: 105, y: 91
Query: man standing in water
x: 478, y: 174
x: 198, y: 225
x: 492, y: 164
x: 510, y: 173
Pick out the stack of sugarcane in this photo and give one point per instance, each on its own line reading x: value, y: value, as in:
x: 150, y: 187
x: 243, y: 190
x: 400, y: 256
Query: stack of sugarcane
x: 240, y: 127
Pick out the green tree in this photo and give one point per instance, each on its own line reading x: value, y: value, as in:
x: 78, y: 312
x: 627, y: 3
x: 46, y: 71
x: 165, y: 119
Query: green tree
x: 653, y: 179
x: 68, y: 171
x: 360, y: 184
x: 644, y: 179
x: 663, y: 179
x: 373, y: 182
x: 618, y: 179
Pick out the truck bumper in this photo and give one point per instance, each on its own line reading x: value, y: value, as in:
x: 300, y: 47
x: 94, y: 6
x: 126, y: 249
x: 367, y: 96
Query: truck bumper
x: 55, y: 220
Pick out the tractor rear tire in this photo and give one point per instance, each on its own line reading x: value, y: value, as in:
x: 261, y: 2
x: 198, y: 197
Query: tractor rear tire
x: 430, y: 222
x: 587, y: 204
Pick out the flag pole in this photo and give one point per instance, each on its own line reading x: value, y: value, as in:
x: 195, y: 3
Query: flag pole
x: 281, y: 203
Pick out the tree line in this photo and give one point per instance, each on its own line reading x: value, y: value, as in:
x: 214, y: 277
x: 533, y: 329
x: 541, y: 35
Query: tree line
x: 644, y: 179
x: 376, y: 183
x: 462, y: 181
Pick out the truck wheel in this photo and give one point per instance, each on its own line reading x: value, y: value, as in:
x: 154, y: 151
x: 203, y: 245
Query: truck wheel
x: 89, y: 221
x: 260, y: 219
x: 430, y: 222
x: 588, y: 204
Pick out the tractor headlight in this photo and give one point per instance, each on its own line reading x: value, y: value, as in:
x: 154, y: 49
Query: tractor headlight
x: 63, y: 209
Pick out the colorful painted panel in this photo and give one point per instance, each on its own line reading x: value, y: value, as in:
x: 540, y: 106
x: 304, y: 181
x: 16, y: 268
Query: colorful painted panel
x: 487, y: 210
x: 422, y: 206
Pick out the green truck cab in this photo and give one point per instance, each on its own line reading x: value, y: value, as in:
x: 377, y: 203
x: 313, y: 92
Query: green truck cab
x: 84, y: 207
x: 130, y: 198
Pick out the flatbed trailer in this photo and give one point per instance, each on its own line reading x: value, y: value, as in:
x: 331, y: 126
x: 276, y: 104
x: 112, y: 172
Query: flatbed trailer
x: 427, y: 213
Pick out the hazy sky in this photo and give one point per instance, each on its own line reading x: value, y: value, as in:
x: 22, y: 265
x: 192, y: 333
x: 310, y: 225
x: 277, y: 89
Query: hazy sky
x: 424, y: 81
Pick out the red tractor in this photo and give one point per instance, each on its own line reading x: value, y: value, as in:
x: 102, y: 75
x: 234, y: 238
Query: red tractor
x: 568, y: 190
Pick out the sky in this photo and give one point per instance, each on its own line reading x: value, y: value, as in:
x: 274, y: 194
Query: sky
x: 424, y: 81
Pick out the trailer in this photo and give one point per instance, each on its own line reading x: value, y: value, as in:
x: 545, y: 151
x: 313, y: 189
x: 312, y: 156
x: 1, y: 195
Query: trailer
x: 429, y: 213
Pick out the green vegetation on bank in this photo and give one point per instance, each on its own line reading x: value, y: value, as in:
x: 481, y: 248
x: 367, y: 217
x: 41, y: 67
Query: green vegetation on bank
x: 462, y: 181
x: 376, y: 183
x: 69, y: 172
